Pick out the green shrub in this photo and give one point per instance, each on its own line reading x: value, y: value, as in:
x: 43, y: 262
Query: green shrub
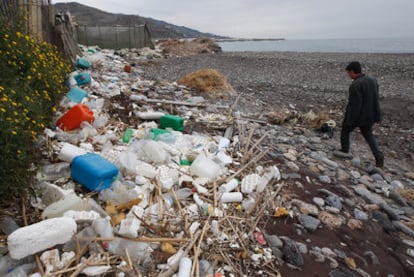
x: 32, y: 76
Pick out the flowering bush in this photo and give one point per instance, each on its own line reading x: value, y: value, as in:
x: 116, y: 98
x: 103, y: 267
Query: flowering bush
x: 32, y: 76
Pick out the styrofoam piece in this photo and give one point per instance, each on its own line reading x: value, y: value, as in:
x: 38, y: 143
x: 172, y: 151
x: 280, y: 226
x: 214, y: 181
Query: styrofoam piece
x: 231, y: 197
x: 149, y: 115
x: 103, y: 227
x: 250, y: 182
x: 31, y: 239
x: 81, y: 216
x: 164, y: 177
x: 96, y: 270
x: 70, y: 151
x: 269, y: 174
x: 230, y: 186
x: 185, y: 267
x: 130, y: 225
x: 50, y: 260
x: 68, y: 203
x: 202, y: 166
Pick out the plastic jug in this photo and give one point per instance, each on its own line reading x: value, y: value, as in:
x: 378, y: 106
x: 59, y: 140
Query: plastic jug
x: 93, y: 171
x: 73, y: 118
x: 76, y: 94
x: 83, y: 78
x: 172, y: 121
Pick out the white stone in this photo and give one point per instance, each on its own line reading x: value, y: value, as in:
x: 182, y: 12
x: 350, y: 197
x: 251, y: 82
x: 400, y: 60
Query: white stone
x: 31, y: 239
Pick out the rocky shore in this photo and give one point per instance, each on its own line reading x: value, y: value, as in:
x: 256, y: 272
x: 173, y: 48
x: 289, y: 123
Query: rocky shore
x: 350, y: 219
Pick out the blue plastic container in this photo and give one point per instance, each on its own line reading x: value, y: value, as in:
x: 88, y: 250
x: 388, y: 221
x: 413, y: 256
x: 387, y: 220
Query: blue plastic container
x: 82, y: 63
x: 76, y: 94
x: 83, y: 78
x: 93, y: 171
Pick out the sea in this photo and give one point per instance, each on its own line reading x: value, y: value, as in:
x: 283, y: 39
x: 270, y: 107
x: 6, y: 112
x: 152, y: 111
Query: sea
x: 394, y: 45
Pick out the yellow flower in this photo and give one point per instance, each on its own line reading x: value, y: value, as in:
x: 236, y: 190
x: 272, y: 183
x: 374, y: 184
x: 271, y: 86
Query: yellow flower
x: 13, y: 132
x: 1, y: 88
x: 29, y: 77
x: 3, y: 110
x: 18, y: 34
x: 19, y: 151
x: 6, y: 36
x: 14, y: 43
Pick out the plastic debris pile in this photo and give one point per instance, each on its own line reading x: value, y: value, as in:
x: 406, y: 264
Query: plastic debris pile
x: 124, y: 190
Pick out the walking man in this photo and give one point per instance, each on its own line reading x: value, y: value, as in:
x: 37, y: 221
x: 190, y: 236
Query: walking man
x: 363, y: 111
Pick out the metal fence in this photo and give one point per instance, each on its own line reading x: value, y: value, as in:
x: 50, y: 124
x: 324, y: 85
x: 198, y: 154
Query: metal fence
x: 114, y: 37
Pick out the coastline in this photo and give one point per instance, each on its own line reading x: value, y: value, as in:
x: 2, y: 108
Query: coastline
x: 308, y: 81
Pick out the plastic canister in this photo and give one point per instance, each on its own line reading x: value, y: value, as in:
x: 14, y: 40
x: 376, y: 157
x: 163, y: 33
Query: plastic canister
x: 73, y: 118
x: 172, y: 121
x: 82, y: 64
x: 76, y: 94
x: 93, y: 171
x: 83, y: 78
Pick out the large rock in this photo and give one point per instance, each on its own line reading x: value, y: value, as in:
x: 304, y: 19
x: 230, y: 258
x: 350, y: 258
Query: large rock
x: 209, y: 81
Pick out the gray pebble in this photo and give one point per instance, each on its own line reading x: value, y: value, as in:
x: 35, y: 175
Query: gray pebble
x: 325, y: 179
x: 390, y: 211
x: 334, y: 201
x: 302, y: 248
x: 340, y: 253
x: 403, y: 228
x: 309, y: 222
x: 360, y: 215
x: 319, y: 201
x: 291, y: 253
x: 396, y: 184
x: 273, y: 241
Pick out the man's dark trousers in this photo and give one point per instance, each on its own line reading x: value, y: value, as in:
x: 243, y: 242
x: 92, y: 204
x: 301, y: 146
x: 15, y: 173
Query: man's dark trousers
x: 366, y: 133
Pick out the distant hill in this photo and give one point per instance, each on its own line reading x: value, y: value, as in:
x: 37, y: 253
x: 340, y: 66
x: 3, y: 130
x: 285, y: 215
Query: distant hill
x: 85, y: 15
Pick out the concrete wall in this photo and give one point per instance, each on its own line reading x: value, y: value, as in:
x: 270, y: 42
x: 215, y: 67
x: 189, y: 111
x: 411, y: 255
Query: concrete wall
x: 114, y: 37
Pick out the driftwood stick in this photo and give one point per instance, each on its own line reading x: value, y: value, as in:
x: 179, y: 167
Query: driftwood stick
x: 144, y: 239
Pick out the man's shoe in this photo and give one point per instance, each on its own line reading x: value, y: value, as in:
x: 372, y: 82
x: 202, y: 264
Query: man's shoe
x: 343, y: 155
x: 379, y: 160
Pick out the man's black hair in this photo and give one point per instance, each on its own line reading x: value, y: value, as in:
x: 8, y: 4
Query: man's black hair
x: 355, y: 67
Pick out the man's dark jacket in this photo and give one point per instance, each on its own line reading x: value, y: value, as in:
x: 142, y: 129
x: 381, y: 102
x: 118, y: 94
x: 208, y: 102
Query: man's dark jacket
x: 363, y: 107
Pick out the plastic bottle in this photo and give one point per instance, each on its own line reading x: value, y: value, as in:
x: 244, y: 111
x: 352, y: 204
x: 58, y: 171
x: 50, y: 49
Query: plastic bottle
x: 8, y: 225
x: 69, y: 151
x: 128, y: 135
x: 230, y: 186
x: 230, y: 197
x: 185, y: 267
x: 70, y: 202
x: 205, y: 268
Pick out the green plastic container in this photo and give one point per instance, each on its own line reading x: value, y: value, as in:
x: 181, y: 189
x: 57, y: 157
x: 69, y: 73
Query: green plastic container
x: 172, y: 121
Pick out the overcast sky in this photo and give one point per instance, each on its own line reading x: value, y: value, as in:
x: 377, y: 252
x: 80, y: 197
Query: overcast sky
x: 290, y: 19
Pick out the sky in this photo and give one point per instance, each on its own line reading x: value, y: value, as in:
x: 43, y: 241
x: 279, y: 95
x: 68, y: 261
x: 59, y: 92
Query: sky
x: 290, y: 19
